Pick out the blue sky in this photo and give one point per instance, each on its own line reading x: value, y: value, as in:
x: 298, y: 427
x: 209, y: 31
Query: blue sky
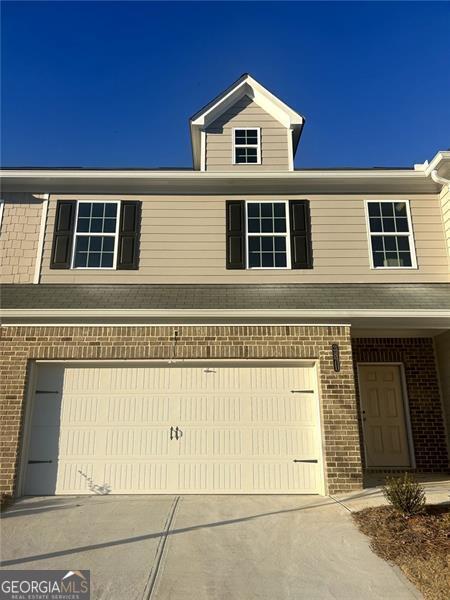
x: 114, y: 83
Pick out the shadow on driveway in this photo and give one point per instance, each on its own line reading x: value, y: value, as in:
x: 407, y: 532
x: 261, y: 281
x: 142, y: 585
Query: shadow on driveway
x: 149, y: 536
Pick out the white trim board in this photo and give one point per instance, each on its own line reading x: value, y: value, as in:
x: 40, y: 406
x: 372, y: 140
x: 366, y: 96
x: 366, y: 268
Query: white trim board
x: 40, y: 248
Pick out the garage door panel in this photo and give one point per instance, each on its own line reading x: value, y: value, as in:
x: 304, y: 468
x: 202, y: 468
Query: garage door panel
x: 78, y: 442
x: 287, y: 442
x: 151, y: 477
x: 75, y: 478
x: 84, y: 381
x: 47, y: 409
x: 286, y: 477
x: 137, y: 409
x: 214, y: 409
x: 281, y: 409
x: 80, y: 409
x: 281, y: 379
x: 44, y: 443
x: 198, y: 442
x: 209, y: 477
x: 130, y: 379
x: 136, y: 442
x: 239, y: 429
x: 211, y: 379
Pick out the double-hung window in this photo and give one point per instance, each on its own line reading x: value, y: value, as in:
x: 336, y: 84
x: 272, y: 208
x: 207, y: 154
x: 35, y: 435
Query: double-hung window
x: 390, y: 233
x: 268, y: 235
x: 96, y: 233
x: 247, y: 146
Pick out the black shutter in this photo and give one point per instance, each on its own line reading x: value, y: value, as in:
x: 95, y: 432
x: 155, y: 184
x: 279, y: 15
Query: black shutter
x: 63, y: 234
x: 129, y: 229
x: 301, y: 247
x: 235, y: 219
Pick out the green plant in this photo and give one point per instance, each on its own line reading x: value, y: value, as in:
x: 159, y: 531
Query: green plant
x: 405, y: 494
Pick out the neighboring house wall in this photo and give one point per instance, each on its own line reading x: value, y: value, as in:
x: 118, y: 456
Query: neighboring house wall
x: 443, y: 357
x: 246, y: 113
x: 183, y: 241
x: 427, y: 420
x: 337, y: 391
x: 445, y: 204
x: 19, y: 237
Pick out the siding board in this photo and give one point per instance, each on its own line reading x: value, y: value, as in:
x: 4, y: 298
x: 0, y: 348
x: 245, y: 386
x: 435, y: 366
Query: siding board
x: 183, y: 241
x: 219, y: 142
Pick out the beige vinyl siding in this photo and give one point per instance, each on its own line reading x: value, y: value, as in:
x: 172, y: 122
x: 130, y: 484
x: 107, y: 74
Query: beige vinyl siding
x: 443, y: 358
x: 246, y: 113
x: 19, y: 237
x: 445, y: 204
x: 183, y: 241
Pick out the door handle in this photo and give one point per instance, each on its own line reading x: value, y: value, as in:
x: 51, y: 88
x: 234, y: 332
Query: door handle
x: 172, y: 431
x: 36, y: 462
x: 306, y: 460
x: 178, y: 433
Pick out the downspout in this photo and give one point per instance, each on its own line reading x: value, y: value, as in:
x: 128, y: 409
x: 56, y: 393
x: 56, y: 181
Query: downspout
x: 438, y: 179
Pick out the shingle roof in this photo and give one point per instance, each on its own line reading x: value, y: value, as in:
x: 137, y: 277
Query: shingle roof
x: 404, y: 297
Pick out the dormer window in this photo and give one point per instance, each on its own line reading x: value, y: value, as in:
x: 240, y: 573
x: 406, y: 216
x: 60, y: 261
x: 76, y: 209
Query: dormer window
x: 247, y: 146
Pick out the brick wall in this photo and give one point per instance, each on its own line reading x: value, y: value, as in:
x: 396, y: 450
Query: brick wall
x: 427, y: 421
x: 340, y: 425
x: 19, y: 238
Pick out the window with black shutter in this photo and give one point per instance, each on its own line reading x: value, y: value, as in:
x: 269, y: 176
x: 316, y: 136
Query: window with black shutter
x: 96, y: 235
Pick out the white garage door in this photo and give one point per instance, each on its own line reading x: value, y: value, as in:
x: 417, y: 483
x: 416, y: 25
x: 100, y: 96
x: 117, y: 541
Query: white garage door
x: 185, y: 428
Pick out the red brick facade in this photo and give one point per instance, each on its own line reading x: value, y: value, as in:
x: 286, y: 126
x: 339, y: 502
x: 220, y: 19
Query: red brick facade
x: 340, y: 423
x: 427, y: 420
x: 341, y: 435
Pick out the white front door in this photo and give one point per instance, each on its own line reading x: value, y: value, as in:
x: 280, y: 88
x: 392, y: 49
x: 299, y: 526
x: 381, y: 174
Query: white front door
x: 185, y: 428
x: 383, y: 416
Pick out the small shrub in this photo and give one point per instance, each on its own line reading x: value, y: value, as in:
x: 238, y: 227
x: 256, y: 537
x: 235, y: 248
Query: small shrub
x: 405, y: 494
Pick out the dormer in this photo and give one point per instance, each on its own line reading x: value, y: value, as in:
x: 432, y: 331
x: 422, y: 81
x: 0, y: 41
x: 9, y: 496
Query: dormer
x: 247, y: 129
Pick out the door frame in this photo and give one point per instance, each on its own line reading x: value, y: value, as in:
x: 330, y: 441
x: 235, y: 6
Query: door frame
x: 406, y: 412
x: 33, y: 366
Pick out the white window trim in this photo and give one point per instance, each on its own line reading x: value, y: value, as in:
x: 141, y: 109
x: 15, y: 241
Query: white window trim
x: 286, y: 235
x: 115, y: 235
x: 409, y: 235
x: 257, y: 145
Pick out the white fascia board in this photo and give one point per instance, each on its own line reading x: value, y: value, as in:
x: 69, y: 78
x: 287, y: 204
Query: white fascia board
x: 61, y: 174
x: 160, y: 182
x: 438, y: 158
x: 250, y: 87
x: 8, y: 313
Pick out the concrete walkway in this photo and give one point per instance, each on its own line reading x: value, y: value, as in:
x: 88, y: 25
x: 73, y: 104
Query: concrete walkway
x: 201, y: 547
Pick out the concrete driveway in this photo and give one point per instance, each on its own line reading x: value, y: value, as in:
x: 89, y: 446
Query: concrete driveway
x: 201, y: 547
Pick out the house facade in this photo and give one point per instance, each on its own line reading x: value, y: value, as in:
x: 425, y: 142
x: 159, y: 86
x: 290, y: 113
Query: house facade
x: 239, y: 327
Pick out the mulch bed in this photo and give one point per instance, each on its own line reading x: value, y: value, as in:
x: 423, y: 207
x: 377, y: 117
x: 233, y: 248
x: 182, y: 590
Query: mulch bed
x: 419, y: 545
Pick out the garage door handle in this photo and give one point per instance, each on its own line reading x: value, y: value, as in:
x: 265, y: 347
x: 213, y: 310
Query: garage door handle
x: 172, y: 431
x: 178, y: 433
x: 35, y: 462
x: 302, y: 391
x: 306, y: 460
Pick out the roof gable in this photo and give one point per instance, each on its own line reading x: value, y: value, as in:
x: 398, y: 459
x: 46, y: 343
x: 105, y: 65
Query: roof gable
x: 247, y: 86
